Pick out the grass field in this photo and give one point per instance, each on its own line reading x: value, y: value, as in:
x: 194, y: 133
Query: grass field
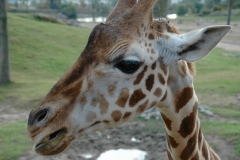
x: 14, y: 140
x: 41, y: 53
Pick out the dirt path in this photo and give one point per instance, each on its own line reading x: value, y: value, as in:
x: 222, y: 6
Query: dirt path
x: 8, y: 114
x: 229, y: 47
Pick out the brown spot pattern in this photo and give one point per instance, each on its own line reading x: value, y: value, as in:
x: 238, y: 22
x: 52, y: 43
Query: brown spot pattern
x: 123, y: 97
x: 161, y: 79
x: 90, y: 116
x: 182, y: 98
x: 172, y: 142
x: 167, y: 122
x: 90, y: 84
x: 137, y: 96
x: 94, y: 102
x: 163, y: 68
x: 103, y: 103
x: 188, y: 150
x: 188, y: 123
x: 99, y: 73
x: 150, y: 36
x: 169, y: 81
x: 127, y: 115
x: 152, y: 51
x: 158, y: 92
x: 154, y: 65
x: 112, y: 88
x: 142, y: 107
x: 116, y: 115
x: 140, y: 76
x: 150, y: 82
x: 153, y: 104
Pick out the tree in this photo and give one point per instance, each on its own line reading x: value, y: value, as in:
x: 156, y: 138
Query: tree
x: 161, y: 8
x: 181, y: 10
x: 69, y: 10
x: 4, y: 53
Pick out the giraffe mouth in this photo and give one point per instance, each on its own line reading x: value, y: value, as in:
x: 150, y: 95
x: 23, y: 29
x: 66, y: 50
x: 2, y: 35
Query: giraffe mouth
x: 54, y: 143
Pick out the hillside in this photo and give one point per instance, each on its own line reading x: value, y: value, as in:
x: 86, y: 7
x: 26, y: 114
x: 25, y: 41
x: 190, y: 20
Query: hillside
x: 40, y: 53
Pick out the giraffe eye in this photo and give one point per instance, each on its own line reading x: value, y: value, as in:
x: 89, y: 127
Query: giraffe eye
x: 128, y: 66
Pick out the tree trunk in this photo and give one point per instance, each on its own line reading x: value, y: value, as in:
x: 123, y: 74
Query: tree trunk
x: 229, y: 12
x: 4, y: 53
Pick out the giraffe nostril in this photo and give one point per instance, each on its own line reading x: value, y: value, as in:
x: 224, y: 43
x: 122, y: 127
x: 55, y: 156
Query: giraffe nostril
x: 40, y: 115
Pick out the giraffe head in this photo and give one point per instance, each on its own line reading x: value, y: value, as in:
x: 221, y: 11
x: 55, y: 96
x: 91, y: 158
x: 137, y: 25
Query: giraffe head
x: 122, y: 71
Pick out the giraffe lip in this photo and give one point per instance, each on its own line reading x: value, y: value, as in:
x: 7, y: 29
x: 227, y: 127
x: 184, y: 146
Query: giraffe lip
x: 53, y: 143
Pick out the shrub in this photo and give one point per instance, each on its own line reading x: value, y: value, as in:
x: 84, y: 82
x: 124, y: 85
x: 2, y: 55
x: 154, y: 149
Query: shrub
x: 69, y: 10
x: 217, y: 8
x: 181, y: 10
x: 205, y: 12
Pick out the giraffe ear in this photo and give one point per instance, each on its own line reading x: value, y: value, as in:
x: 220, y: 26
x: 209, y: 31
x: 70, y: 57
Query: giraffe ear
x: 196, y: 44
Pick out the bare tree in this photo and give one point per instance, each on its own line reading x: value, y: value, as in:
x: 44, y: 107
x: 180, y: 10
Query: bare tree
x: 4, y: 53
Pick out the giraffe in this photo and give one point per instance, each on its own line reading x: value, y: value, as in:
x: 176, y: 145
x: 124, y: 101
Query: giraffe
x: 130, y: 64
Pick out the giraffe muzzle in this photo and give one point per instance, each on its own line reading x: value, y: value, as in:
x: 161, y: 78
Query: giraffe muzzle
x: 54, y: 143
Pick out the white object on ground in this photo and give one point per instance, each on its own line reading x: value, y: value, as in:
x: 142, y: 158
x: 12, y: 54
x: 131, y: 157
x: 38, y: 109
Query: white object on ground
x: 123, y: 154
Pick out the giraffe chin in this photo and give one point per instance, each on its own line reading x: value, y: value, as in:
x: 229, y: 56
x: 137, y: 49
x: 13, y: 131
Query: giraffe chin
x: 54, y: 143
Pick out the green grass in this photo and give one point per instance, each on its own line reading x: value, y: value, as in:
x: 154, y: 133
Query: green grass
x: 218, y: 73
x: 229, y: 131
x: 227, y: 113
x: 40, y: 54
x: 152, y: 124
x: 14, y: 140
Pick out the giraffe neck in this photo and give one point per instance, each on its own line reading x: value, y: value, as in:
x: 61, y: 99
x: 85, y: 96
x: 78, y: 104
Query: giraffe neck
x: 185, y: 140
x: 179, y: 109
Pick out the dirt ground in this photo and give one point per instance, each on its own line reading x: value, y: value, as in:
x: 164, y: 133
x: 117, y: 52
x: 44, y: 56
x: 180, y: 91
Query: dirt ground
x: 120, y: 137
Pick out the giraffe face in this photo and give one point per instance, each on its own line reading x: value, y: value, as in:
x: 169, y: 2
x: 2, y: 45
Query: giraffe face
x: 122, y: 71
x: 94, y: 95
